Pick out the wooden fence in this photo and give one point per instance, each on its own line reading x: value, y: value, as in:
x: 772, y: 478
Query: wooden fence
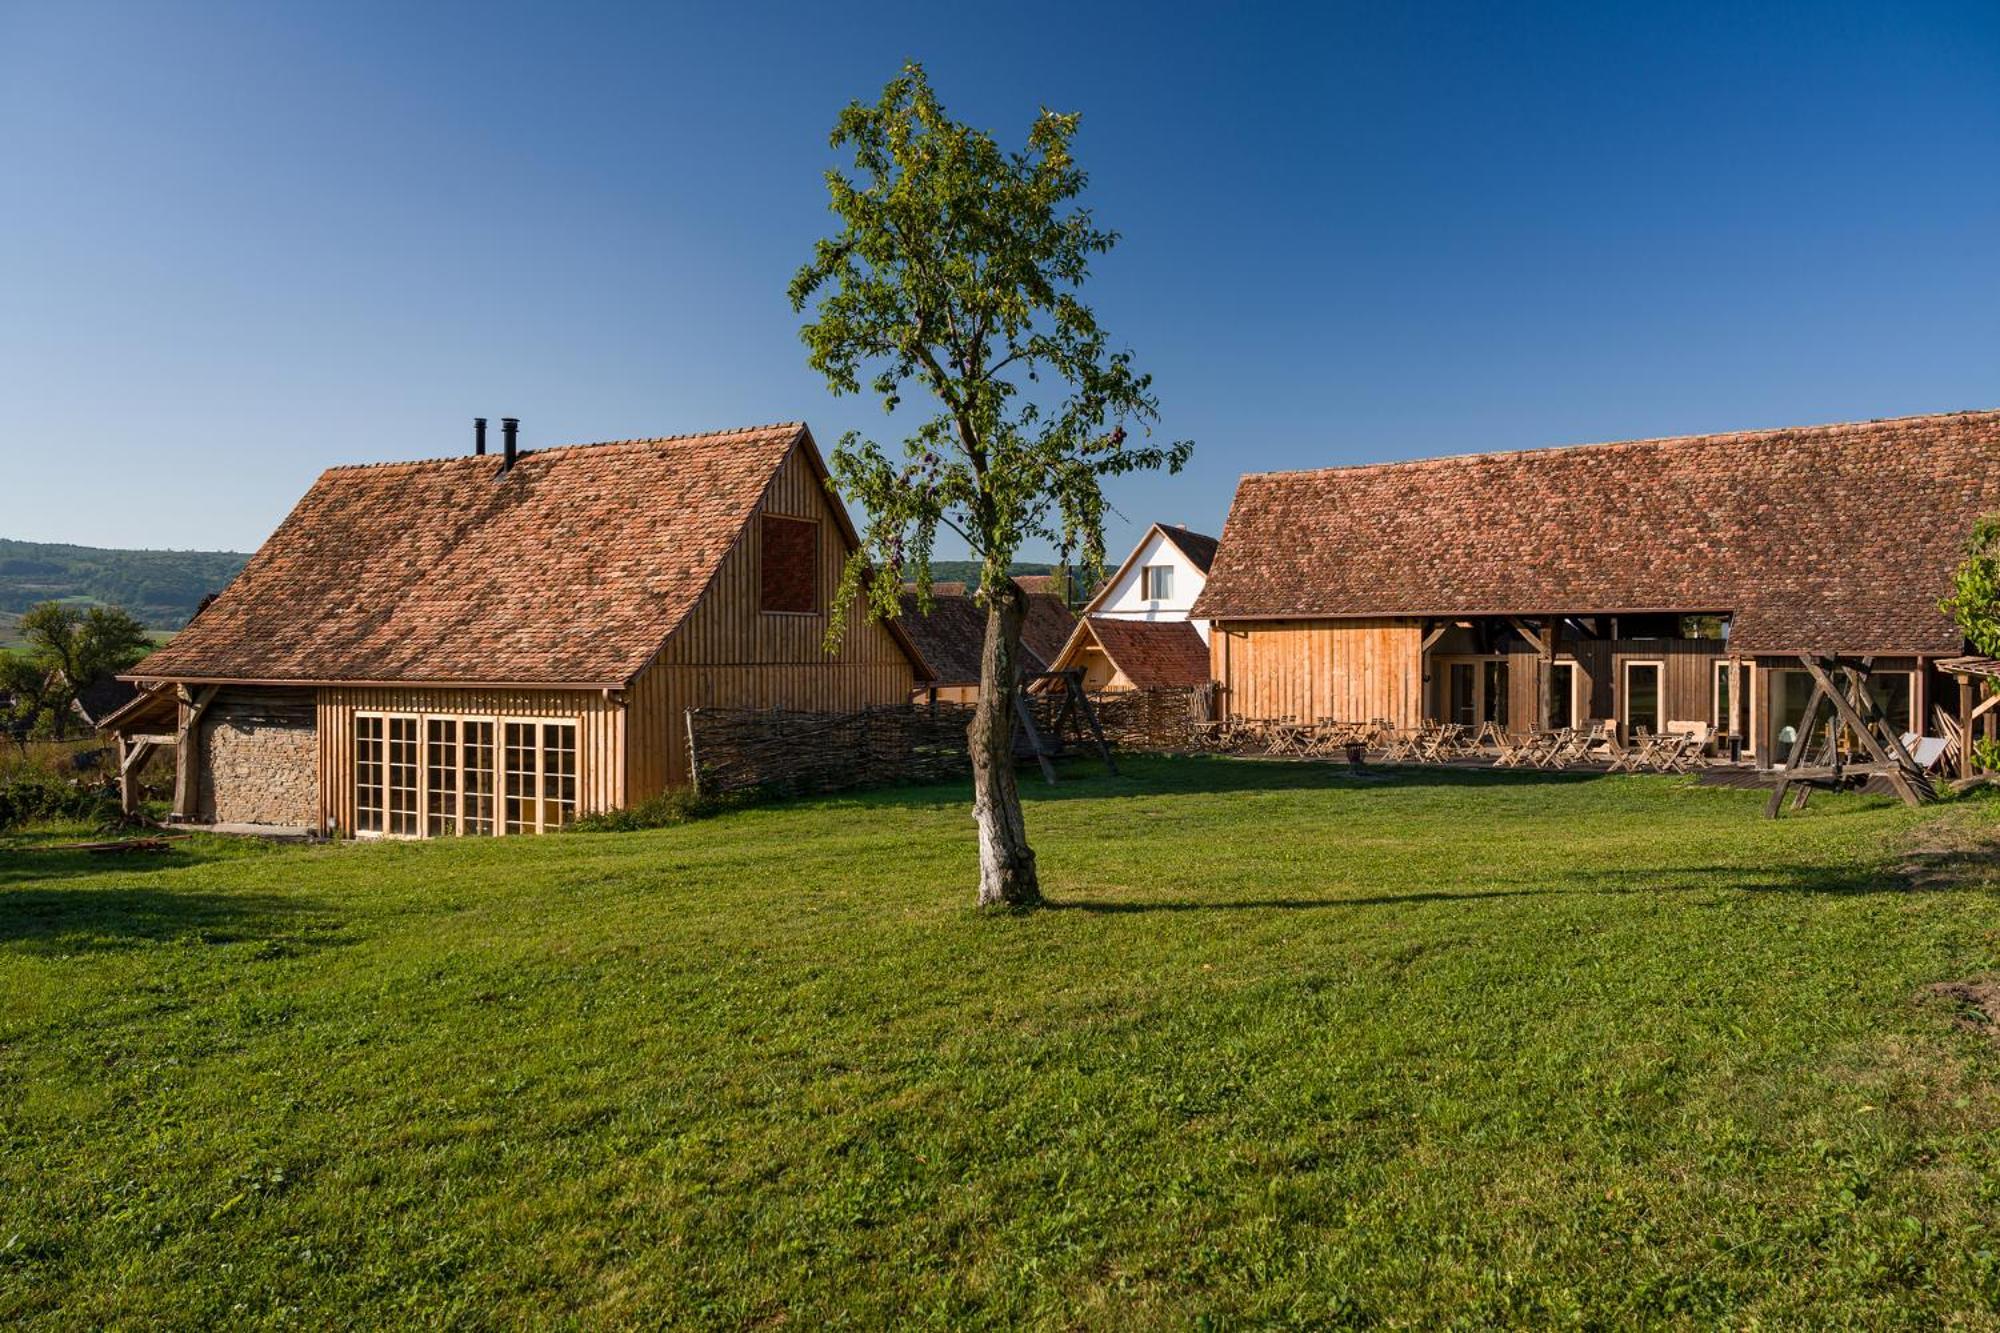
x: 785, y: 753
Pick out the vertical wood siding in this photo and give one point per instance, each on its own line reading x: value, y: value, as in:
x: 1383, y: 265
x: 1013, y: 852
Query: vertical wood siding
x: 1354, y: 670
x: 729, y: 654
x: 600, y: 736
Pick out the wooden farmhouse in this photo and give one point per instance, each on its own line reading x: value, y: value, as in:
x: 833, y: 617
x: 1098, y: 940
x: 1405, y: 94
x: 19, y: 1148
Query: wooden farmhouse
x: 1137, y: 632
x: 498, y: 644
x: 1648, y: 582
x: 952, y: 637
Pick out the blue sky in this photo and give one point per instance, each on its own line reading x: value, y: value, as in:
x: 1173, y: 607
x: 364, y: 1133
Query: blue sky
x: 239, y: 243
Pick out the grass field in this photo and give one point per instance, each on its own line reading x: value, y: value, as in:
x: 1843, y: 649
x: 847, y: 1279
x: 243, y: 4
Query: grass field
x: 1293, y: 1048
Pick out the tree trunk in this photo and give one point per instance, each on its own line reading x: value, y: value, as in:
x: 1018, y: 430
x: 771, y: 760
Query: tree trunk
x: 1006, y: 862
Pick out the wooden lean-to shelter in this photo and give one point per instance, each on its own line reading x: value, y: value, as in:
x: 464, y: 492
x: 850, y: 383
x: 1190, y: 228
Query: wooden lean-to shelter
x: 1649, y: 583
x: 503, y: 643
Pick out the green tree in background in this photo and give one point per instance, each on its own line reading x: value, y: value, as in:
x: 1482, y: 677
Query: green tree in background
x: 69, y: 650
x: 956, y: 267
x: 1975, y: 589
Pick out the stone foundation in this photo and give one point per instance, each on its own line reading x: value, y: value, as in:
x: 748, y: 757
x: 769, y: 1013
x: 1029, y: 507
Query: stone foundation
x: 260, y: 758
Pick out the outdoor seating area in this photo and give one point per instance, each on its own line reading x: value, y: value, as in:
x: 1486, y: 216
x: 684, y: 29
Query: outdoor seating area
x: 1681, y: 747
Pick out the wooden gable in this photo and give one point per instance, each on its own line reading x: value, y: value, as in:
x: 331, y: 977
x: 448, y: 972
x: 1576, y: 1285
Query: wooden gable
x: 731, y: 652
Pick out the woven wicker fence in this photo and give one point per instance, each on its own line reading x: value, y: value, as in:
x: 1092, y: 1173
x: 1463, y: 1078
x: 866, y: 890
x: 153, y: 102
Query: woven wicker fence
x: 796, y: 754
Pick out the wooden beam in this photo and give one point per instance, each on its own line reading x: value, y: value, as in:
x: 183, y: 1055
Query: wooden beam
x: 1884, y: 745
x: 187, y: 749
x: 1797, y: 757
x: 1431, y: 637
x: 1551, y: 710
x: 1027, y: 720
x: 1965, y: 727
x: 1526, y: 631
x: 1992, y: 702
x: 132, y: 756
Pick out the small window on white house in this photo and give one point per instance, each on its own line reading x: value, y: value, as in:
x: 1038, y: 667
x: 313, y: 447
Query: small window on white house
x: 1158, y: 582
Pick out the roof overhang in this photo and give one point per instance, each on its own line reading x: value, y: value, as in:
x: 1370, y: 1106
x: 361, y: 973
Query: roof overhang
x: 407, y: 684
x: 1533, y: 613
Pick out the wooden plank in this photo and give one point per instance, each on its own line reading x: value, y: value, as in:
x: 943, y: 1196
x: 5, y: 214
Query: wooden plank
x: 1965, y: 715
x: 1797, y: 757
x: 1527, y: 631
x: 187, y: 750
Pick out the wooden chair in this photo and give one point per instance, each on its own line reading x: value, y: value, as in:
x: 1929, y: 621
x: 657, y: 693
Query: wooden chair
x: 1600, y: 744
x: 1400, y: 745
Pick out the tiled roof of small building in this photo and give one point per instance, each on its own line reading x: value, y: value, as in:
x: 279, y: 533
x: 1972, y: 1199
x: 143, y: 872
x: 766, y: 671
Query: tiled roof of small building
x: 1824, y: 538
x: 953, y: 635
x: 570, y: 568
x: 1153, y: 654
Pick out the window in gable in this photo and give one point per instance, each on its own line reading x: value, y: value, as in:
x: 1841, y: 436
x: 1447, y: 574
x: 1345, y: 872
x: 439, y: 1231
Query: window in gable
x: 789, y: 565
x: 1158, y: 582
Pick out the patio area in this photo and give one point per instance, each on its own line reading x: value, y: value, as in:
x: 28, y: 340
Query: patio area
x: 1680, y: 748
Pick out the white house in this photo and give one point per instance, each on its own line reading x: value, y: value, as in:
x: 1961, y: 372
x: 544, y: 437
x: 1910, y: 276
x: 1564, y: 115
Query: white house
x: 1159, y: 580
x: 1136, y: 632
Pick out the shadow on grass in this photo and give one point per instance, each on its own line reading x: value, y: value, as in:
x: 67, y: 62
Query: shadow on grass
x: 1821, y: 880
x: 1083, y: 778
x: 83, y: 920
x: 1113, y: 908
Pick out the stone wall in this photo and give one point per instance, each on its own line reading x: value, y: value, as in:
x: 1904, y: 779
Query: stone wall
x: 259, y: 758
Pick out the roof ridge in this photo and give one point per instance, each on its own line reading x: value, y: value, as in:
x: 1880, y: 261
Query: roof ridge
x: 1651, y: 442
x: 789, y: 426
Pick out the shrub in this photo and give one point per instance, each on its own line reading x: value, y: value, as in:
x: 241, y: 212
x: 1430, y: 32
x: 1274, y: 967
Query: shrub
x: 680, y: 806
x: 28, y: 794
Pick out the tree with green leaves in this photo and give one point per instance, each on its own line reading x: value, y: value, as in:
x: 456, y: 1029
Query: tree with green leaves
x: 1974, y: 602
x: 956, y: 269
x: 69, y: 650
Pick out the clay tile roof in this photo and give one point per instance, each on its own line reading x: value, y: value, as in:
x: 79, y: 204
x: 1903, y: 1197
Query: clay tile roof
x: 1198, y: 547
x: 1823, y: 538
x: 1153, y: 654
x: 952, y: 636
x: 573, y: 568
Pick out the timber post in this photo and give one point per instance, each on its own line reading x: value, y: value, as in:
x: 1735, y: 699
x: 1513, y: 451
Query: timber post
x: 187, y: 751
x: 1965, y: 727
x: 1551, y: 707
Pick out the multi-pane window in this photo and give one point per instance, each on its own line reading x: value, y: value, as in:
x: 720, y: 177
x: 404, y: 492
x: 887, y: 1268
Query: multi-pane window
x: 402, y: 785
x: 521, y: 756
x: 368, y: 774
x: 478, y: 776
x: 441, y: 761
x: 438, y: 776
x: 558, y: 774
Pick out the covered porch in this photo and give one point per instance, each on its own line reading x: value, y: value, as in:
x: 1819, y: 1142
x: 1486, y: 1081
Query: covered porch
x: 1641, y: 674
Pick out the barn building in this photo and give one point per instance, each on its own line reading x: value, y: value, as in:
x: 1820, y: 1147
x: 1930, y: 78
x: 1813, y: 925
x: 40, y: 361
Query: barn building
x: 1648, y: 582
x: 501, y: 643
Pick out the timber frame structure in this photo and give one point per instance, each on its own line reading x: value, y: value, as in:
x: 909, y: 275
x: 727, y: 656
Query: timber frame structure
x: 1652, y: 584
x: 503, y: 644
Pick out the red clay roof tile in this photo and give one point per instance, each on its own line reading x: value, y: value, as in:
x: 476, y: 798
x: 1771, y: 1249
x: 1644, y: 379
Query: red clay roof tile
x: 572, y: 568
x: 1824, y: 538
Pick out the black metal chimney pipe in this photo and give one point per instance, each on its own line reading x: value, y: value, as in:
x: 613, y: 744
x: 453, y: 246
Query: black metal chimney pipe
x: 510, y: 430
x: 479, y: 436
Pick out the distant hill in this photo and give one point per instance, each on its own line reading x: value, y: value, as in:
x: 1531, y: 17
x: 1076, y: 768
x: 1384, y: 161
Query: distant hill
x: 161, y: 588
x: 967, y: 571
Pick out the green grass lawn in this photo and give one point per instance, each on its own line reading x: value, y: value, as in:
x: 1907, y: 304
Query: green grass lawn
x: 1293, y: 1048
